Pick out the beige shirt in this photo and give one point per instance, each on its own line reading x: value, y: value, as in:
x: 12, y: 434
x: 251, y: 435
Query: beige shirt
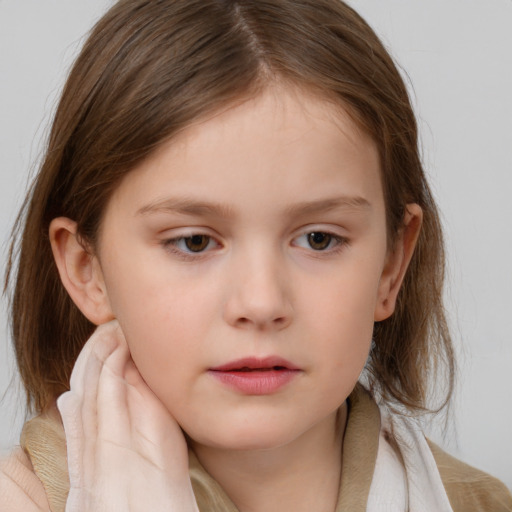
x: 34, y: 478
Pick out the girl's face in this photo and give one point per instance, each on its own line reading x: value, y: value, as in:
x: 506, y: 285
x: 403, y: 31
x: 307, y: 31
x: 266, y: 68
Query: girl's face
x: 246, y: 263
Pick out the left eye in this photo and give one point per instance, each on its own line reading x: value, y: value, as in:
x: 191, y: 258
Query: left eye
x: 191, y: 244
x: 319, y: 240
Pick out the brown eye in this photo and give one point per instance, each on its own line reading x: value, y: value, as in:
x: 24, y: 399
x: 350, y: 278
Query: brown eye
x: 197, y: 243
x: 319, y: 241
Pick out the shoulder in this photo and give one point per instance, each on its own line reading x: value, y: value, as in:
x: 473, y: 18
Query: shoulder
x: 34, y: 477
x: 20, y: 488
x: 469, y: 489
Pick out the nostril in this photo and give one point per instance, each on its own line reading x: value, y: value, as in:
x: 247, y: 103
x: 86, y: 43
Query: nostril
x: 277, y: 322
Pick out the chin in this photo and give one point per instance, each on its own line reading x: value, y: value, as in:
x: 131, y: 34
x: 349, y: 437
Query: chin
x: 257, y: 436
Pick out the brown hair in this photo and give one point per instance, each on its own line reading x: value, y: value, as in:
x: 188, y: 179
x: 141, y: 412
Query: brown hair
x: 150, y: 68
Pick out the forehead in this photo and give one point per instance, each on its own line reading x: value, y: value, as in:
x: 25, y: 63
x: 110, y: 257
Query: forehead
x: 280, y: 109
x: 285, y: 145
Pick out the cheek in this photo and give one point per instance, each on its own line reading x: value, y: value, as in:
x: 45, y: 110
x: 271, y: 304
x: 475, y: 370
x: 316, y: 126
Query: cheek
x: 343, y: 314
x: 159, y: 320
x: 163, y: 345
x: 152, y: 299
x: 347, y: 299
x: 165, y: 318
x: 160, y: 329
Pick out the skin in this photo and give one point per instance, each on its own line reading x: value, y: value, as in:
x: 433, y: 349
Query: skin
x: 256, y: 288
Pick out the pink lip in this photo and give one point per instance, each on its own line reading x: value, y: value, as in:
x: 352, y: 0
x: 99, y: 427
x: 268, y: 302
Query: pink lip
x: 256, y: 376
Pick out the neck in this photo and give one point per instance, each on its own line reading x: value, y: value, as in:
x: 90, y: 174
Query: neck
x: 303, y: 475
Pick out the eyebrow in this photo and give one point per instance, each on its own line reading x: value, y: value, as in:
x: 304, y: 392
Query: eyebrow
x: 188, y: 206
x: 324, y: 205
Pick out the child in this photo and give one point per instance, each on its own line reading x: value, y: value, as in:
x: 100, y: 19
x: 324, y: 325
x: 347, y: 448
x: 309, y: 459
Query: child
x: 232, y: 193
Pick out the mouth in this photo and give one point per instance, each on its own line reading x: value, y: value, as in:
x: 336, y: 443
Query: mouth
x: 246, y: 369
x: 251, y: 364
x: 256, y: 376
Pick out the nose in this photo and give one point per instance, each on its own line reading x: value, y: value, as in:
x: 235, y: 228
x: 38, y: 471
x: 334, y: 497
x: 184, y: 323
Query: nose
x: 259, y: 293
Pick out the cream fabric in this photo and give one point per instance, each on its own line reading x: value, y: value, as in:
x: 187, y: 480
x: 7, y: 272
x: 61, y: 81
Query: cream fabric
x: 411, y: 484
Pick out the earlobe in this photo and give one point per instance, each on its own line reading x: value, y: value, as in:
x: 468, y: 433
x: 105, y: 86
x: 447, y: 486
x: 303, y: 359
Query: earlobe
x: 79, y: 271
x: 397, y: 263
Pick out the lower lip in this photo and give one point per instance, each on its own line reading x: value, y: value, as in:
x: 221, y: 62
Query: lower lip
x: 257, y: 382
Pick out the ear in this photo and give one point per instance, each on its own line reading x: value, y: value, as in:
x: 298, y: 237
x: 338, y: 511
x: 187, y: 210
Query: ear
x: 79, y: 271
x: 397, y: 261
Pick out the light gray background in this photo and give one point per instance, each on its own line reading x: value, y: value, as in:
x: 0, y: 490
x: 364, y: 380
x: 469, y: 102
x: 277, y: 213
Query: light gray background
x: 458, y: 54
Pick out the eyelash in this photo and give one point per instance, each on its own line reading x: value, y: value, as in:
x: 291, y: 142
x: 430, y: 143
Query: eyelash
x: 171, y: 244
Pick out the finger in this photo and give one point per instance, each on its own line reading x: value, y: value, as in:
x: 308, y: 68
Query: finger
x: 69, y: 407
x: 145, y: 418
x: 78, y: 416
x: 102, y: 343
x: 113, y: 420
x: 78, y: 406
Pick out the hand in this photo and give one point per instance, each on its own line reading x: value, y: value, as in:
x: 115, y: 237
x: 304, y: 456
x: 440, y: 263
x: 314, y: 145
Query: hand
x: 125, y: 451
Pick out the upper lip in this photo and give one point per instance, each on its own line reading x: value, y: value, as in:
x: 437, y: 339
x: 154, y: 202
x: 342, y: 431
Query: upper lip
x: 256, y: 363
